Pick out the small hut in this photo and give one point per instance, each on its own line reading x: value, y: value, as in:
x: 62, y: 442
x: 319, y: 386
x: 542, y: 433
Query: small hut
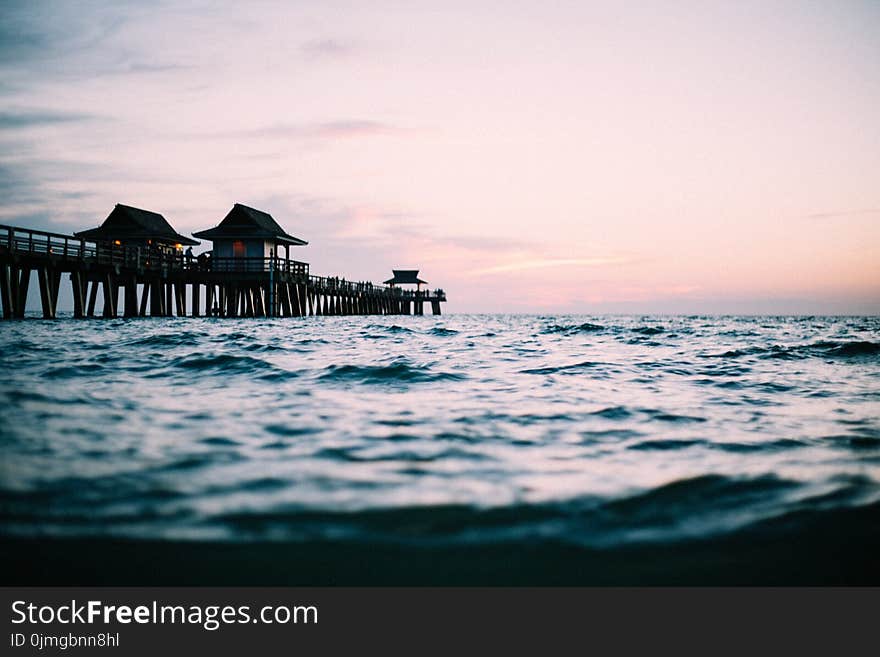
x: 128, y: 226
x: 406, y: 277
x: 247, y: 233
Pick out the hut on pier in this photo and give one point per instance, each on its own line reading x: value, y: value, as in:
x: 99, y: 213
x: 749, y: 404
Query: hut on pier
x: 246, y: 239
x: 129, y: 226
x: 406, y: 277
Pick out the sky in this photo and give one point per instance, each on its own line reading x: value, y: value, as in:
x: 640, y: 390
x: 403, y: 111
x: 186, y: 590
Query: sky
x: 673, y: 157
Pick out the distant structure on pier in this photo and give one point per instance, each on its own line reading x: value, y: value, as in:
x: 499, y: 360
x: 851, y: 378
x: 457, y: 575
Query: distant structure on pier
x: 406, y: 277
x: 128, y: 226
x: 249, y: 233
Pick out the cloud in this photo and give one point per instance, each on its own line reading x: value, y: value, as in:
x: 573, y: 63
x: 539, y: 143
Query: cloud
x: 350, y: 128
x: 27, y: 118
x: 41, y: 42
x: 544, y: 263
x: 329, y: 130
x: 324, y: 49
x: 20, y: 39
x: 842, y: 213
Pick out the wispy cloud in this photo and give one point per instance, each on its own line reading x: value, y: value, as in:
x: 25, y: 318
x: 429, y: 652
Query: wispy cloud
x: 349, y: 128
x: 322, y: 130
x: 842, y: 213
x: 323, y: 49
x: 543, y: 263
x: 27, y: 118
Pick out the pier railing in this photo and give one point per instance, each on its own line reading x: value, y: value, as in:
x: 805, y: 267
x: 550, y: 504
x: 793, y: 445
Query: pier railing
x: 25, y: 241
x: 334, y: 283
x: 233, y: 264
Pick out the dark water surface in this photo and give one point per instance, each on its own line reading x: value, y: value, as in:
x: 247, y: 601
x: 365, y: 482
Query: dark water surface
x: 539, y: 444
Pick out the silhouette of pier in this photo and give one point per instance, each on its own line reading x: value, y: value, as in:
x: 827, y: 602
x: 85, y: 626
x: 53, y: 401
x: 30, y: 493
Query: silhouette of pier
x: 145, y: 277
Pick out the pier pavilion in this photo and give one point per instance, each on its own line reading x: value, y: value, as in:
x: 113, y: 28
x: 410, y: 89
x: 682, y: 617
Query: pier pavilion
x: 129, y: 226
x: 246, y: 238
x: 404, y: 277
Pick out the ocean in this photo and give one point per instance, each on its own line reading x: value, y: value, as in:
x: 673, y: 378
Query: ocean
x: 464, y: 449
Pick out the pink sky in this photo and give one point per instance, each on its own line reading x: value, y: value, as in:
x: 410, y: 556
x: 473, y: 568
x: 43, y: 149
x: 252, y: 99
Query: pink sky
x: 527, y: 157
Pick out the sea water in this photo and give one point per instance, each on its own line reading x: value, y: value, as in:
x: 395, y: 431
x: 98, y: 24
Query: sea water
x: 595, y: 432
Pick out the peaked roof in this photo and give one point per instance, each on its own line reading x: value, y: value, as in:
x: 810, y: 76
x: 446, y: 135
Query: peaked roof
x: 128, y: 223
x: 243, y: 222
x: 405, y: 277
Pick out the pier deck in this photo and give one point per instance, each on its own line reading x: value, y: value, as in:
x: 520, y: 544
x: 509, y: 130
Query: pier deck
x: 158, y: 283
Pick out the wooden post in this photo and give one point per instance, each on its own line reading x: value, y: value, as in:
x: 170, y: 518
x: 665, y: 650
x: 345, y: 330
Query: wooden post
x: 180, y: 298
x: 435, y: 306
x: 110, y: 296
x: 248, y: 302
x: 168, y: 310
x: 46, y: 293
x: 55, y: 281
x: 6, y: 292
x: 259, y: 304
x: 93, y: 297
x: 196, y: 293
x: 230, y: 301
x: 130, y: 295
x: 296, y: 300
x: 284, y: 293
x: 24, y: 282
x: 14, y: 282
x: 145, y: 294
x: 155, y: 298
x: 76, y: 284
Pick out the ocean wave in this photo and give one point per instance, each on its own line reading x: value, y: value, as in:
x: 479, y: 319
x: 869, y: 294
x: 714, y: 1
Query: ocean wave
x: 558, y: 369
x: 589, y: 520
x: 177, y: 339
x: 823, y: 349
x: 396, y: 372
x: 393, y: 328
x: 442, y: 331
x: 665, y: 445
x: 586, y: 327
x: 74, y: 371
x: 225, y: 364
x: 852, y: 349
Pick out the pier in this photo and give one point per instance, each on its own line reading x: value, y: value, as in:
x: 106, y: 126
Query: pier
x: 151, y: 280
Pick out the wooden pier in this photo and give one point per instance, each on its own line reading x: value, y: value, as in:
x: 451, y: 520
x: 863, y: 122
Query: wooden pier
x: 151, y: 282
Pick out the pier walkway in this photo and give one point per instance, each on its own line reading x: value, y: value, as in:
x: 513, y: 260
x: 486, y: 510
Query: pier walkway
x: 157, y: 282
